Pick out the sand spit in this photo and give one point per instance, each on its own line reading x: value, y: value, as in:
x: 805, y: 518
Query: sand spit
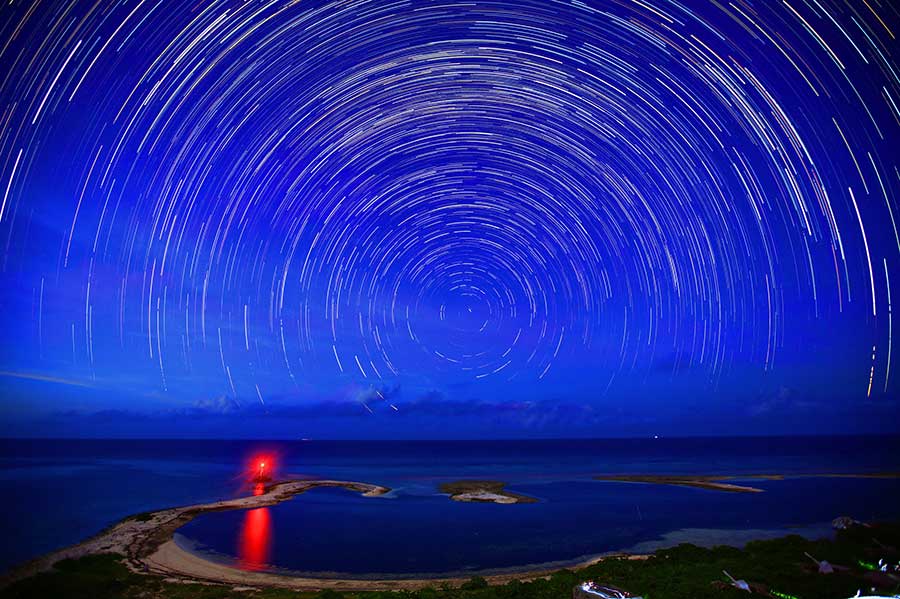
x: 139, y: 537
x: 715, y: 483
x: 146, y: 542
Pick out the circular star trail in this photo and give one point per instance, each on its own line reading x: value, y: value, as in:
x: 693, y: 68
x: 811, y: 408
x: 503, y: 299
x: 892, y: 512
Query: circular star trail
x: 257, y: 194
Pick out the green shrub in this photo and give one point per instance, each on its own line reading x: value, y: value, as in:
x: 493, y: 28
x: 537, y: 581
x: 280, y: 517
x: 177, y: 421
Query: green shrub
x: 474, y: 583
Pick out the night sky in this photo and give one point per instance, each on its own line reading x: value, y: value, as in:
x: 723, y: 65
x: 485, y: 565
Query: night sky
x: 379, y: 218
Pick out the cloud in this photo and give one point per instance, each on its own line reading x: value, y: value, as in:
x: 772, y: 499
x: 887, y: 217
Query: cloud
x: 383, y: 405
x: 770, y: 403
x: 378, y: 396
x: 44, y: 378
x: 218, y: 405
x: 388, y: 413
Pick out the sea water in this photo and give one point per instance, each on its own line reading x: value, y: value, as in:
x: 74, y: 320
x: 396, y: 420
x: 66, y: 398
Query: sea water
x: 60, y: 492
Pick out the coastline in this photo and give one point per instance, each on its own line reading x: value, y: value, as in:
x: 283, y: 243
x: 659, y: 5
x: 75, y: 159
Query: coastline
x: 147, y: 546
x: 139, y: 536
x: 517, y: 572
x: 146, y: 543
x: 173, y: 561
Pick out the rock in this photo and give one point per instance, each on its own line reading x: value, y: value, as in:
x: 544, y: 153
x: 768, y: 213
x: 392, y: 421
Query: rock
x: 593, y: 590
x: 844, y: 522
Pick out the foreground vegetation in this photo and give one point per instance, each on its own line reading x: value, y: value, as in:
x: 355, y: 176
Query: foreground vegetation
x: 683, y: 572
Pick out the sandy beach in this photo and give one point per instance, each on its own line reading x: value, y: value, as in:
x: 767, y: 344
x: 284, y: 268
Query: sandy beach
x: 139, y: 537
x: 146, y: 542
x: 147, y: 545
x: 172, y: 561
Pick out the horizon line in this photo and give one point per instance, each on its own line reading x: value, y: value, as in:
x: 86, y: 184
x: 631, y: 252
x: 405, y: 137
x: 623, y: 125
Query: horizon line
x: 455, y: 440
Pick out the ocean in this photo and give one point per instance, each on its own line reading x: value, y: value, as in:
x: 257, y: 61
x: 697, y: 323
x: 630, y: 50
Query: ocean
x: 59, y: 492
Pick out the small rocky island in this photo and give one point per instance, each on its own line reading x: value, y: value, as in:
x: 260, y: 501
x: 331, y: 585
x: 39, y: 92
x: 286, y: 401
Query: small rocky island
x: 487, y: 491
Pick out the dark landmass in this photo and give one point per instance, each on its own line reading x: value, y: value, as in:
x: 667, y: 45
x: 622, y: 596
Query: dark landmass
x: 715, y: 482
x: 488, y: 491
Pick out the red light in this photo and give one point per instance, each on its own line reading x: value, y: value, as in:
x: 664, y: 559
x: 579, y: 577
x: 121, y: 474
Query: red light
x: 261, y: 468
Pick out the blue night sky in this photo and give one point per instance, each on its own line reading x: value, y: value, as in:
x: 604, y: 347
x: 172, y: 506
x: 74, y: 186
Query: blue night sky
x: 422, y: 219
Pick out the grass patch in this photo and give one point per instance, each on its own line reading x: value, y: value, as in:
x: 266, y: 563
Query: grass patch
x: 142, y: 517
x: 471, y: 486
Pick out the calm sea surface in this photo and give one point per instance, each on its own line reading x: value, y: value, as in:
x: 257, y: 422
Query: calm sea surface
x: 59, y: 492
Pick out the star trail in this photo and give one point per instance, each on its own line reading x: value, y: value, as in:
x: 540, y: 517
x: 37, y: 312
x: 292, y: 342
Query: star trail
x: 511, y: 198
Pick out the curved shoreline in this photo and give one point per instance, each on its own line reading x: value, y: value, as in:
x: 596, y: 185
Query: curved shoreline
x: 172, y: 561
x: 138, y: 537
x: 147, y: 544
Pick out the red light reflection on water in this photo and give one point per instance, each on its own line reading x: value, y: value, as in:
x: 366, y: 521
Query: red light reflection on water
x: 256, y: 535
x: 256, y: 539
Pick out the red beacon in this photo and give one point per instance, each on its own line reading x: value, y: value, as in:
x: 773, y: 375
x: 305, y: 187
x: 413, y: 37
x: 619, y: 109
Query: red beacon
x: 261, y: 470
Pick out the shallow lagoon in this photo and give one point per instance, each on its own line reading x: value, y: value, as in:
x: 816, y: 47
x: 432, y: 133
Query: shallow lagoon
x: 339, y: 532
x: 62, y: 491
